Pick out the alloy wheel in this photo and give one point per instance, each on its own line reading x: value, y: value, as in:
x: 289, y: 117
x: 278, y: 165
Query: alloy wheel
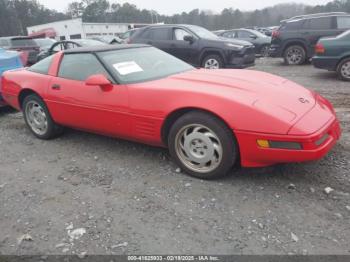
x: 198, y: 148
x: 36, y: 118
x: 212, y: 64
x: 345, y: 70
x: 294, y: 56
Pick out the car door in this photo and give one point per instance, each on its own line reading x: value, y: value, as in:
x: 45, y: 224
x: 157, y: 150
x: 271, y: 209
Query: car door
x: 182, y: 49
x: 159, y: 37
x: 73, y: 103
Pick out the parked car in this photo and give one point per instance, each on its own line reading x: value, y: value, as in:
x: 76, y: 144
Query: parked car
x: 21, y: 44
x: 209, y: 119
x: 64, y: 45
x: 8, y: 60
x: 296, y: 38
x: 197, y: 46
x: 260, y: 41
x: 333, y: 54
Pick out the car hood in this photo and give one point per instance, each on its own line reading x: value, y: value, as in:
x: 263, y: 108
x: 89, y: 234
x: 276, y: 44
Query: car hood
x: 261, y: 92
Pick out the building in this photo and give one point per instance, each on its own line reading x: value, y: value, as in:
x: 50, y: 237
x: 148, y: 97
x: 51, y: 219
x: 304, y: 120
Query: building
x: 76, y: 29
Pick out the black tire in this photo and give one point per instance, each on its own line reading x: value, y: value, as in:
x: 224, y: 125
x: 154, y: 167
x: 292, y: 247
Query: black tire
x: 216, y: 58
x: 52, y: 130
x: 265, y: 51
x: 299, y: 57
x: 230, y: 152
x: 343, y: 69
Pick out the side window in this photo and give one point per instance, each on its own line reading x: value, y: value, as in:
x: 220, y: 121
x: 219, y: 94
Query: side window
x: 343, y: 22
x: 80, y: 66
x: 244, y: 34
x: 230, y: 34
x: 179, y: 34
x: 43, y: 66
x: 323, y: 23
x: 159, y: 34
x: 295, y: 25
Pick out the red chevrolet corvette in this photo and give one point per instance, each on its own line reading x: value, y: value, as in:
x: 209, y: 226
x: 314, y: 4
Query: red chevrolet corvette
x: 209, y: 120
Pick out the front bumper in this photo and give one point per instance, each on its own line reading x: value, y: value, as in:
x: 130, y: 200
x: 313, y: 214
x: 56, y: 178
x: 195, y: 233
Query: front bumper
x: 328, y: 63
x: 276, y: 51
x: 244, y: 59
x: 314, y: 146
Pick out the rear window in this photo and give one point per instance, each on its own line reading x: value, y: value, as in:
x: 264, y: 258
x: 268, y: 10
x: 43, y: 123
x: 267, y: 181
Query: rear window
x: 43, y: 66
x: 343, y: 22
x: 23, y: 42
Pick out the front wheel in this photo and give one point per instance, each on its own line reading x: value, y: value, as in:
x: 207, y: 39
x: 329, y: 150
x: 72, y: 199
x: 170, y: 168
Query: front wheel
x: 295, y: 55
x: 343, y: 69
x: 202, y: 145
x: 38, y: 118
x: 212, y: 62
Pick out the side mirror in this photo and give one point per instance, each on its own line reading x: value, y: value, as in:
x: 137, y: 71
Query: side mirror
x: 253, y: 36
x: 189, y: 38
x: 99, y: 80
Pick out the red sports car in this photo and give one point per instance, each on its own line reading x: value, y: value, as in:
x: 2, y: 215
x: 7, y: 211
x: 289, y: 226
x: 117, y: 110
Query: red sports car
x: 209, y: 119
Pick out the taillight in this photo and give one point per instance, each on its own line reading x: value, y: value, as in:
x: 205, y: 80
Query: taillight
x: 276, y: 33
x: 128, y: 41
x: 319, y: 49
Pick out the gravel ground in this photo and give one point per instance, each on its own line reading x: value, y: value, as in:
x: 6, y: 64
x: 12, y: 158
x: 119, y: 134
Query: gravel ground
x: 89, y: 193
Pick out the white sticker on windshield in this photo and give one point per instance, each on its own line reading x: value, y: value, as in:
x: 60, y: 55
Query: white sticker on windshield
x: 127, y: 68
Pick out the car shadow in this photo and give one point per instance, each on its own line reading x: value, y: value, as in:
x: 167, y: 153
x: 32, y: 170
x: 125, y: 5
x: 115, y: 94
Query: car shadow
x: 307, y: 173
x: 5, y: 110
x: 326, y: 75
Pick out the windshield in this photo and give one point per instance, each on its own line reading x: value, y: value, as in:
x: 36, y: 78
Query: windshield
x: 202, y: 32
x: 45, y: 42
x: 89, y: 42
x: 135, y: 65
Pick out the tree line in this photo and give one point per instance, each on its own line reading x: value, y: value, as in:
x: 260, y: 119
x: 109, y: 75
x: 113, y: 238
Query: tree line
x: 17, y: 15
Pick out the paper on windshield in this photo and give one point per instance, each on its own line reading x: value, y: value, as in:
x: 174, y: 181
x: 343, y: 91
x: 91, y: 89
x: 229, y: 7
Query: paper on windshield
x: 126, y: 68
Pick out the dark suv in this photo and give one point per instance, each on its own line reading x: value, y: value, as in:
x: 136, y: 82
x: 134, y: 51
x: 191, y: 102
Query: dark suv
x: 21, y: 44
x: 197, y: 46
x: 296, y: 38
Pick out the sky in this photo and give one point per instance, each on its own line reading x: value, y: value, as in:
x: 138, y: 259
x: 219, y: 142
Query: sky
x: 177, y: 6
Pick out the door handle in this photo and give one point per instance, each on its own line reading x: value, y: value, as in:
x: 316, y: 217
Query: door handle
x: 56, y: 87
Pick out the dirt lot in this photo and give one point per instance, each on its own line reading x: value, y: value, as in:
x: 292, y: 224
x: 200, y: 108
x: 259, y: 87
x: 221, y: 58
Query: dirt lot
x: 88, y: 193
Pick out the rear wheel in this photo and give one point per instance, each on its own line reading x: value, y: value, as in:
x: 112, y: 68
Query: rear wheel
x: 343, y: 69
x: 212, y: 62
x: 202, y: 145
x: 38, y: 118
x: 295, y: 55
